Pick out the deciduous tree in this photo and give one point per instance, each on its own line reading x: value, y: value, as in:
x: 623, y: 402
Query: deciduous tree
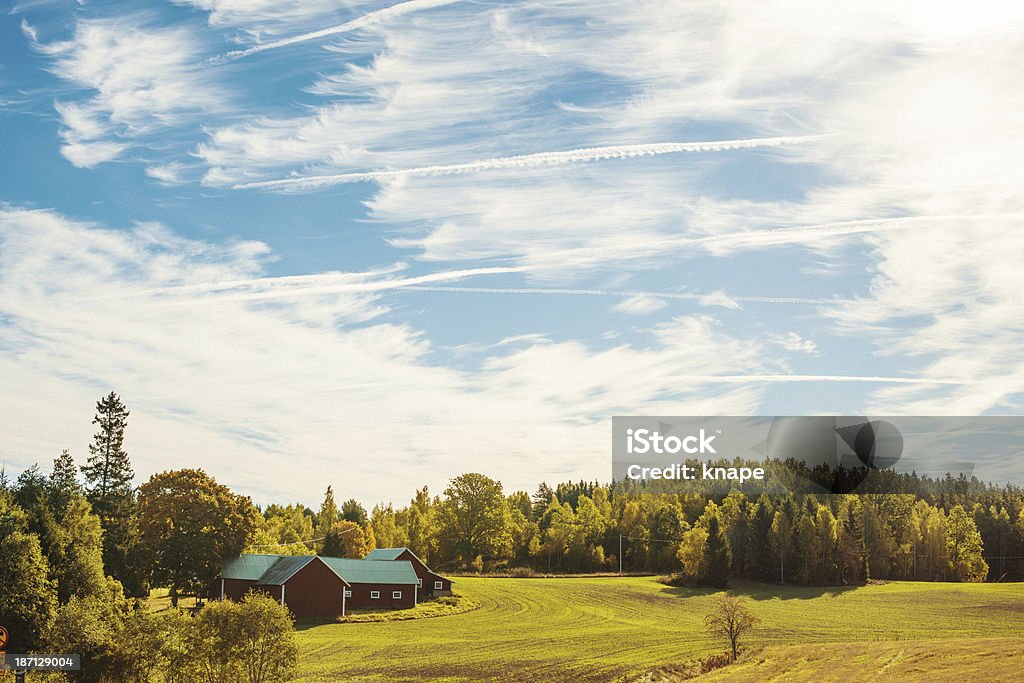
x: 730, y: 619
x: 345, y: 539
x: 474, y: 519
x: 693, y: 554
x: 190, y: 524
x: 28, y: 599
x: 963, y: 542
x: 251, y: 641
x: 266, y: 640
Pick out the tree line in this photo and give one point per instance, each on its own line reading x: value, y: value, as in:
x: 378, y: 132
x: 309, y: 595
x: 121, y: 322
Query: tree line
x: 950, y: 529
x: 950, y: 534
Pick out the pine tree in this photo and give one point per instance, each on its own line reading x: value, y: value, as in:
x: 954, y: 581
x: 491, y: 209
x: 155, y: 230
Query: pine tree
x: 63, y: 483
x: 826, y: 529
x: 718, y: 553
x: 109, y: 472
x: 849, y: 541
x: 667, y: 527
x: 353, y: 511
x: 327, y: 517
x: 781, y: 540
x: 759, y: 563
x: 108, y: 486
x: 541, y: 499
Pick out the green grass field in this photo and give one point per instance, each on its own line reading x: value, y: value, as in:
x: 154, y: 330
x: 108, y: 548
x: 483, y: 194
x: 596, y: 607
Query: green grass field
x: 604, y: 629
x: 970, y: 659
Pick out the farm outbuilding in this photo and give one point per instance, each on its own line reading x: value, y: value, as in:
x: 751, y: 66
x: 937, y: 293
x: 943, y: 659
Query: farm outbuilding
x: 317, y: 586
x: 430, y: 584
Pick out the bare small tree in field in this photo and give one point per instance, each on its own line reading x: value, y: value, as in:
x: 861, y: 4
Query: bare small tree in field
x: 730, y: 618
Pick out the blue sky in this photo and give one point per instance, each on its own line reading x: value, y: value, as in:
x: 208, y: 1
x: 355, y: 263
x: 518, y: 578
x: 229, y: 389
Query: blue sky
x: 378, y: 244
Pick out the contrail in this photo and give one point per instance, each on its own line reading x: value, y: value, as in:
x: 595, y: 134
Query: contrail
x: 806, y: 233
x: 323, y: 283
x: 619, y: 293
x: 744, y: 379
x: 797, y: 234
x: 536, y: 160
x: 363, y: 21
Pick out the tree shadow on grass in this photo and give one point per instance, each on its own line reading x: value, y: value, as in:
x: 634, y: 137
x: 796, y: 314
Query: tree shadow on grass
x: 306, y: 623
x: 762, y: 591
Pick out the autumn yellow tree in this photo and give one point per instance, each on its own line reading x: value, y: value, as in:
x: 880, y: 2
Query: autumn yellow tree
x: 345, y: 539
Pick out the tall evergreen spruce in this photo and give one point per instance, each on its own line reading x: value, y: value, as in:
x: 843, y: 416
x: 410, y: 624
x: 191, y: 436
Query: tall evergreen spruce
x: 328, y: 515
x: 108, y: 473
x: 108, y: 486
x: 719, y: 555
x: 63, y: 483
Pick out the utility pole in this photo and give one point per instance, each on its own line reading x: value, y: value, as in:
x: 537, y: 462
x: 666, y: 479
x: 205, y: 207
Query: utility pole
x: 620, y: 554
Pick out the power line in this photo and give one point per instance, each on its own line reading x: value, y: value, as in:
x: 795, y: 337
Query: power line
x: 280, y: 545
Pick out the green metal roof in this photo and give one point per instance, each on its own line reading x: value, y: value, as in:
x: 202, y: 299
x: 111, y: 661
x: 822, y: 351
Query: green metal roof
x: 385, y: 554
x: 371, y: 571
x: 275, y: 570
x: 391, y: 554
x: 284, y: 569
x: 248, y: 567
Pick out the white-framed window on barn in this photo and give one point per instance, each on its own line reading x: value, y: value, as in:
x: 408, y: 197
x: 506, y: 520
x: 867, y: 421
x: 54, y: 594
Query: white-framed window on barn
x: 348, y: 593
x: 396, y: 595
x: 374, y: 595
x: 419, y: 582
x: 438, y: 585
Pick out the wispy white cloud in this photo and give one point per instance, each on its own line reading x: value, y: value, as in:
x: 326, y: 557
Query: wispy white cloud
x: 917, y: 196
x: 940, y: 137
x: 273, y: 16
x: 640, y: 304
x: 368, y: 19
x: 168, y: 174
x: 396, y: 101
x: 29, y: 31
x: 719, y: 298
x: 1013, y: 384
x: 137, y: 78
x: 262, y: 394
x: 924, y: 173
x: 794, y: 342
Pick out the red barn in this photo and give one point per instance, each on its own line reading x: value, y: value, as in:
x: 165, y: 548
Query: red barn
x: 430, y: 584
x: 315, y: 586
